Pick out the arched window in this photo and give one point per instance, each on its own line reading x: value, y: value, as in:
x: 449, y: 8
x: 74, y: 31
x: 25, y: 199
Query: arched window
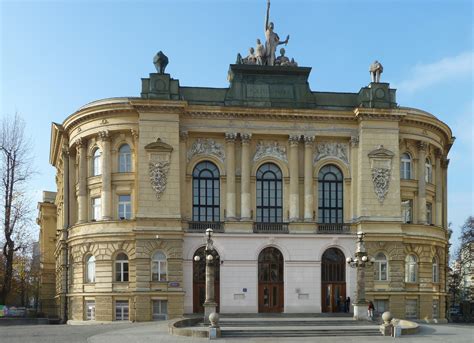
x: 121, y: 268
x: 158, y: 266
x: 269, y: 194
x: 405, y: 166
x: 428, y: 171
x: 381, y: 267
x: 206, y: 193
x: 90, y: 269
x: 411, y: 268
x: 435, y: 269
x: 125, y: 159
x: 330, y: 204
x: 96, y: 162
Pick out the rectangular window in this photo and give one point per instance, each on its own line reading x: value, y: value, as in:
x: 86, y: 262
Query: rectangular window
x: 125, y: 207
x: 411, y: 309
x: 381, y: 306
x: 96, y: 209
x: 429, y: 211
x: 160, y: 309
x: 90, y: 309
x: 380, y: 271
x: 407, y: 211
x: 435, y: 308
x: 121, y: 310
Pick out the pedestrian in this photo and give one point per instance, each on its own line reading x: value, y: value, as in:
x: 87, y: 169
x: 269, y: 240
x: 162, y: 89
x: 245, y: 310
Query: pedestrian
x: 348, y: 304
x: 370, y: 310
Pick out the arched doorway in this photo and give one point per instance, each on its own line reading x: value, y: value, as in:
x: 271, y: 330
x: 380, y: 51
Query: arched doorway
x: 333, y: 281
x: 199, y: 280
x: 270, y: 280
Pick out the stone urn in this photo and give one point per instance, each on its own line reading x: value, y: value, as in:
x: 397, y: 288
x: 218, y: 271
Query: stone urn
x: 387, y: 317
x: 214, y: 319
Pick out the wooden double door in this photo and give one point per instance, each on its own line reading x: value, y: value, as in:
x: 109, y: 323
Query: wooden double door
x: 333, y: 297
x: 199, y: 280
x: 270, y: 281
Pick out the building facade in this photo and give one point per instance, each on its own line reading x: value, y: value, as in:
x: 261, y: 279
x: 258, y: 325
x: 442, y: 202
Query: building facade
x: 285, y: 176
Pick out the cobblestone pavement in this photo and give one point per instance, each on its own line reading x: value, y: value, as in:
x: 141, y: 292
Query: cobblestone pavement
x: 158, y: 333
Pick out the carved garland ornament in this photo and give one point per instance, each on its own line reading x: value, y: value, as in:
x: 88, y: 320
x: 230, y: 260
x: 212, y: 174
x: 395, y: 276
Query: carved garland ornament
x: 270, y: 150
x: 206, y: 146
x: 331, y: 149
x: 381, y: 168
x: 159, y: 155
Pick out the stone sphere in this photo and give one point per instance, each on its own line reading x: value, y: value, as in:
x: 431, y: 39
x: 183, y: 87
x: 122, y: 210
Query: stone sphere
x: 387, y: 317
x: 214, y: 318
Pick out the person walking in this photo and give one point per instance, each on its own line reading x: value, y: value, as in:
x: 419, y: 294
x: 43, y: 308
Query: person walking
x: 370, y: 310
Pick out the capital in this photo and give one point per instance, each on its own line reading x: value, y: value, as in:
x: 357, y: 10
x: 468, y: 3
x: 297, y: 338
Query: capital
x: 308, y: 141
x: 65, y: 150
x: 134, y: 133
x: 294, y: 140
x: 354, y: 141
x: 422, y: 146
x: 104, y: 135
x: 183, y: 136
x: 438, y: 153
x: 80, y: 143
x: 444, y: 162
x: 230, y: 137
x: 245, y: 137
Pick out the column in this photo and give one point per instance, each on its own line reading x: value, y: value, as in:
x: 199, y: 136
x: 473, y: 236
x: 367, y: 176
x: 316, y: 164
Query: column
x: 183, y: 138
x: 294, y: 178
x: 106, y: 194
x: 82, y: 182
x: 308, y: 178
x: 439, y: 189
x: 230, y: 172
x: 355, y: 175
x: 422, y: 146
x: 444, y: 165
x: 65, y: 186
x: 245, y: 177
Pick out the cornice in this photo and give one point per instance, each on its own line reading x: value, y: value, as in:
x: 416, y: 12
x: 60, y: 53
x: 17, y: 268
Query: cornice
x: 362, y: 113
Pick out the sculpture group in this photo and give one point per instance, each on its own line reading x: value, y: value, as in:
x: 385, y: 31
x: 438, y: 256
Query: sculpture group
x: 266, y: 54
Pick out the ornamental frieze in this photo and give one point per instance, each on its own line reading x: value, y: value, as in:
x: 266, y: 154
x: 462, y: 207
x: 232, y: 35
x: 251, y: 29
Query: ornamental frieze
x: 331, y: 149
x: 206, y: 146
x: 270, y: 150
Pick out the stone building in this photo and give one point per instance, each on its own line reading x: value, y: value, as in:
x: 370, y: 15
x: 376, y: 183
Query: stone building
x: 284, y: 175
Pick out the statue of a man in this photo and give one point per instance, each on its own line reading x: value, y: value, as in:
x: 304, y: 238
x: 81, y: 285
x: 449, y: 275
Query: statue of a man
x: 250, y: 59
x: 272, y: 39
x: 282, y: 60
x: 260, y: 54
x: 376, y: 69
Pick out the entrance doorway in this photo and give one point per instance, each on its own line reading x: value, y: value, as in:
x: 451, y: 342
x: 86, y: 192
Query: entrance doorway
x: 270, y: 280
x: 333, y: 281
x: 199, y: 280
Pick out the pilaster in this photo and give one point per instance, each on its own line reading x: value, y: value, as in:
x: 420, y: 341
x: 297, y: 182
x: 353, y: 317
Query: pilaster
x: 439, y: 189
x: 183, y: 141
x: 422, y: 146
x: 106, y: 194
x: 245, y: 177
x: 230, y: 138
x: 308, y: 178
x: 82, y: 182
x: 294, y: 178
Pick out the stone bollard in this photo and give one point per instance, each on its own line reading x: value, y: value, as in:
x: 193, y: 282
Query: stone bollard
x: 214, y: 329
x: 387, y: 327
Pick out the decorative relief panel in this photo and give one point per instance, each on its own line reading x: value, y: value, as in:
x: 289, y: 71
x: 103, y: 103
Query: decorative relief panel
x: 331, y: 149
x: 381, y: 167
x: 206, y: 146
x: 270, y: 150
x: 159, y: 156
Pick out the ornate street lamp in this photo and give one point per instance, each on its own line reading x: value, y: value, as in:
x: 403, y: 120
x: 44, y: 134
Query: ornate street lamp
x: 210, y: 303
x: 360, y: 262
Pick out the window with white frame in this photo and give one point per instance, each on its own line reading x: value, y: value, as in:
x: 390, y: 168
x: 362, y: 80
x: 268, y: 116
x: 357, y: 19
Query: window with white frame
x: 381, y: 267
x: 121, y: 268
x: 405, y: 166
x: 96, y: 162
x: 429, y: 213
x: 411, y: 268
x: 435, y: 263
x: 158, y: 266
x: 428, y: 171
x: 96, y: 209
x: 381, y: 305
x: 90, y: 269
x: 411, y: 309
x: 125, y: 159
x: 435, y: 308
x: 90, y: 309
x: 160, y: 309
x: 124, y: 206
x: 121, y: 310
x: 407, y: 210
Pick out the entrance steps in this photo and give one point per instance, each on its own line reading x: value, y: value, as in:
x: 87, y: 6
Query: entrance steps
x: 294, y: 325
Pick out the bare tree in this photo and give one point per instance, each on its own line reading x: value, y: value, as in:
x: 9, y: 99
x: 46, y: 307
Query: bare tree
x: 15, y: 172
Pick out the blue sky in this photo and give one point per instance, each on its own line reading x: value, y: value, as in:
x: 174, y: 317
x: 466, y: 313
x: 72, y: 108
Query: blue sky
x: 56, y: 56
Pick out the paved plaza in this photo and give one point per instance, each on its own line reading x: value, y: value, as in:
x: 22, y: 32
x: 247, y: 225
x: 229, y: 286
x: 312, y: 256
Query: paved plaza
x: 158, y: 332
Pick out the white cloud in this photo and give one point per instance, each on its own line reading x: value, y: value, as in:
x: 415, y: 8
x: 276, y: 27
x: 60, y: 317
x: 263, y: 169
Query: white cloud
x: 448, y: 68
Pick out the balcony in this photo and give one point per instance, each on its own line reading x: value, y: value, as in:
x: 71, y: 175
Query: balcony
x: 203, y: 226
x: 333, y: 228
x: 270, y: 227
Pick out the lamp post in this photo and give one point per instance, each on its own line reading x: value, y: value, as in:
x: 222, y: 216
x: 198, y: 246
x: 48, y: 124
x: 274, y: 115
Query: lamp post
x: 210, y: 303
x: 360, y: 262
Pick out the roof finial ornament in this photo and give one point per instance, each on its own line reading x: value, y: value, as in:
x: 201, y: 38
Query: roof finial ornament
x: 376, y: 69
x: 160, y: 61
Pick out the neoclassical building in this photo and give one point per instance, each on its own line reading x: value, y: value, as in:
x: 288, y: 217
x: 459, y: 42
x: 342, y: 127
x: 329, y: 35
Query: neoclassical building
x: 285, y: 176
